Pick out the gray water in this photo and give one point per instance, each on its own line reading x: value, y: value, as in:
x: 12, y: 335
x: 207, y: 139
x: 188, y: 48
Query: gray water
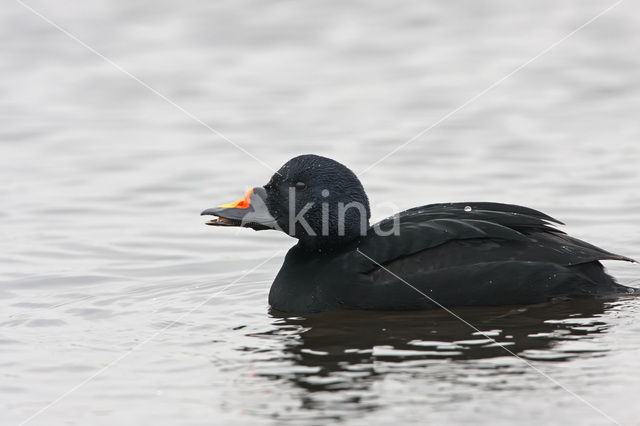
x: 119, y: 306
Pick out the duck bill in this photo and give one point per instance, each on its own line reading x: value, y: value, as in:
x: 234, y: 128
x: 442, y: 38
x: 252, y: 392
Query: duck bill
x: 249, y: 212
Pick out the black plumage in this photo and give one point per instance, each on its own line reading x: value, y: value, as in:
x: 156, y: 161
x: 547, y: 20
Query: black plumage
x: 452, y: 254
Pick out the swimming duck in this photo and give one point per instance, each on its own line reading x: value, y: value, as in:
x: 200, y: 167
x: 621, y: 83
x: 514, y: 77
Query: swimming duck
x: 450, y: 254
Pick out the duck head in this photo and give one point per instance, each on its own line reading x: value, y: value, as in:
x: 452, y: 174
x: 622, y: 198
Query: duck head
x: 312, y: 198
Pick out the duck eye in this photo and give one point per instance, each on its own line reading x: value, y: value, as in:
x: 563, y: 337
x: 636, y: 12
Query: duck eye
x: 301, y: 185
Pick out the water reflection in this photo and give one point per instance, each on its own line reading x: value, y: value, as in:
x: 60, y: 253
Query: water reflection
x: 336, y: 358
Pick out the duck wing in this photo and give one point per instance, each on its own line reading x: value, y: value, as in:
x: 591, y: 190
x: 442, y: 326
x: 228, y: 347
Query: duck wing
x: 473, y: 233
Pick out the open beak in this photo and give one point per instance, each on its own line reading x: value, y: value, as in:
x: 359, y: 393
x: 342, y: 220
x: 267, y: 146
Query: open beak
x: 250, y: 212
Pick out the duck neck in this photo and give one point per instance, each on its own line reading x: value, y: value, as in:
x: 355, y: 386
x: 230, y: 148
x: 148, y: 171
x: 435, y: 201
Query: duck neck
x: 322, y: 244
x: 335, y: 234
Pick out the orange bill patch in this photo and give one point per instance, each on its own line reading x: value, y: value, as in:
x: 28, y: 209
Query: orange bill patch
x: 243, y: 203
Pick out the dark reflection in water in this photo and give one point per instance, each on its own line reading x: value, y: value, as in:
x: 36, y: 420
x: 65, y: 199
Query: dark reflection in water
x: 347, y: 352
